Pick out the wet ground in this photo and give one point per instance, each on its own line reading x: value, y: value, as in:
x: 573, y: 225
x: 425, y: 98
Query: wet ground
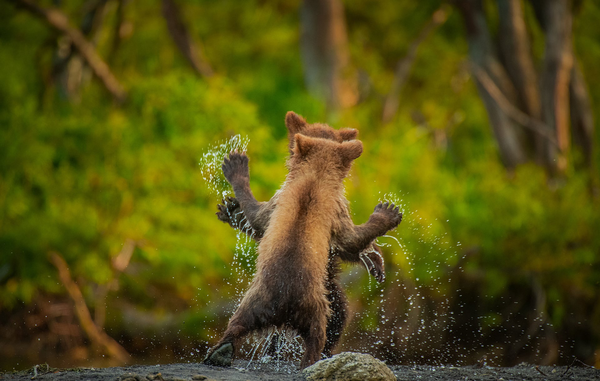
x: 288, y: 372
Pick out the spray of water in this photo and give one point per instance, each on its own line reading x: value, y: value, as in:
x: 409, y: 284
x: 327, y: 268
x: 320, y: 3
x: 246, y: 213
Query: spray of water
x: 278, y: 348
x: 212, y: 159
x: 420, y: 313
x: 405, y: 318
x: 397, y: 314
x: 210, y: 168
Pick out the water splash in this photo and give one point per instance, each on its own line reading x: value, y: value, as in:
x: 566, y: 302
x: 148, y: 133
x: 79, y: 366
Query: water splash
x: 210, y: 168
x: 417, y: 311
x: 395, y: 199
x: 423, y: 313
x: 275, y: 349
x: 212, y: 159
x: 411, y: 310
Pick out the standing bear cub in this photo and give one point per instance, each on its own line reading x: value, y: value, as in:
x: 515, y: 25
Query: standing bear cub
x: 289, y: 287
x: 252, y: 217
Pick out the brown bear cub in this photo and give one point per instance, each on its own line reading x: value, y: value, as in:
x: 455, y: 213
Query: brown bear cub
x: 257, y: 221
x: 289, y: 288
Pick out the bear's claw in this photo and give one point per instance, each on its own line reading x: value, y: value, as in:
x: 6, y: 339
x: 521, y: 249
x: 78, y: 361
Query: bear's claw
x: 391, y: 212
x: 228, y: 210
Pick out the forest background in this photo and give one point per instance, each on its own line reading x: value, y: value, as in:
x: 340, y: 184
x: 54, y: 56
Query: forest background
x: 477, y: 117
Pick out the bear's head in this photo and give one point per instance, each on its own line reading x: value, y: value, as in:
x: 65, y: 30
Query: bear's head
x: 297, y: 125
x: 324, y: 157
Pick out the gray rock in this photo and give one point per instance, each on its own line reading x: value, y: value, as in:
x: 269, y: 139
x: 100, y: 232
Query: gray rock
x: 349, y: 366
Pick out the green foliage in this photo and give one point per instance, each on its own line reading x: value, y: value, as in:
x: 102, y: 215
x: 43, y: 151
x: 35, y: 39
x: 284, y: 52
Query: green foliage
x: 81, y: 178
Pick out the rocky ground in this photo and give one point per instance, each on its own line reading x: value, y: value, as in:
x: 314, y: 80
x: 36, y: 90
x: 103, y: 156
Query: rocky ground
x: 241, y: 371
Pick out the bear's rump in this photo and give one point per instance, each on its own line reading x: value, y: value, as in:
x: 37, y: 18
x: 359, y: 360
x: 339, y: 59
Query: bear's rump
x: 289, y: 301
x: 300, y: 313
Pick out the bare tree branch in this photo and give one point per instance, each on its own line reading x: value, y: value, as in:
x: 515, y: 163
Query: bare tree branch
x: 60, y: 22
x: 182, y: 39
x: 512, y: 111
x: 404, y: 65
x: 96, y: 336
x: 69, y: 69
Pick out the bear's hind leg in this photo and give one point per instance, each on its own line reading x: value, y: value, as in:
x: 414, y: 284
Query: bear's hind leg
x: 222, y: 353
x: 244, y: 320
x: 314, y: 343
x: 337, y: 319
x: 313, y: 332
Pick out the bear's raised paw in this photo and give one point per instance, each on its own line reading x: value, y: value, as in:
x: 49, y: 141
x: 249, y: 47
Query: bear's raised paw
x: 390, y: 212
x: 235, y: 167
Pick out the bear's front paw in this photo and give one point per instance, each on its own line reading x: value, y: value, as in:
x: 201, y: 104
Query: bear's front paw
x: 373, y: 260
x: 376, y: 267
x: 390, y: 213
x: 229, y: 211
x: 235, y: 167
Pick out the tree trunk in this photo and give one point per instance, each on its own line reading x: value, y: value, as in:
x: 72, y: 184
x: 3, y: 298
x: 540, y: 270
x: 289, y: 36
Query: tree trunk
x: 182, y: 39
x: 582, y: 116
x: 483, y: 55
x: 324, y: 46
x: 515, y: 50
x: 556, y: 74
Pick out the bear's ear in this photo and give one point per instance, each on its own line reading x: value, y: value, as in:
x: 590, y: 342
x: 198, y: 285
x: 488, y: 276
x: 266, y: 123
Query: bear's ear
x: 348, y: 134
x: 351, y: 150
x: 294, y: 123
x: 303, y: 144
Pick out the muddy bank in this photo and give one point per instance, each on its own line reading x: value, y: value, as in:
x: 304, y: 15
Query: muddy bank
x: 288, y: 372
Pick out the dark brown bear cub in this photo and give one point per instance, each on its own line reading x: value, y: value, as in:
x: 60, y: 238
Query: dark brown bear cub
x: 289, y: 286
x: 253, y: 217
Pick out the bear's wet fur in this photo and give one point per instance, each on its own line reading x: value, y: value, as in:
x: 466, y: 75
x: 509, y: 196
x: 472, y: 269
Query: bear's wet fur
x: 289, y: 288
x: 256, y: 222
x: 299, y: 235
x: 254, y: 217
